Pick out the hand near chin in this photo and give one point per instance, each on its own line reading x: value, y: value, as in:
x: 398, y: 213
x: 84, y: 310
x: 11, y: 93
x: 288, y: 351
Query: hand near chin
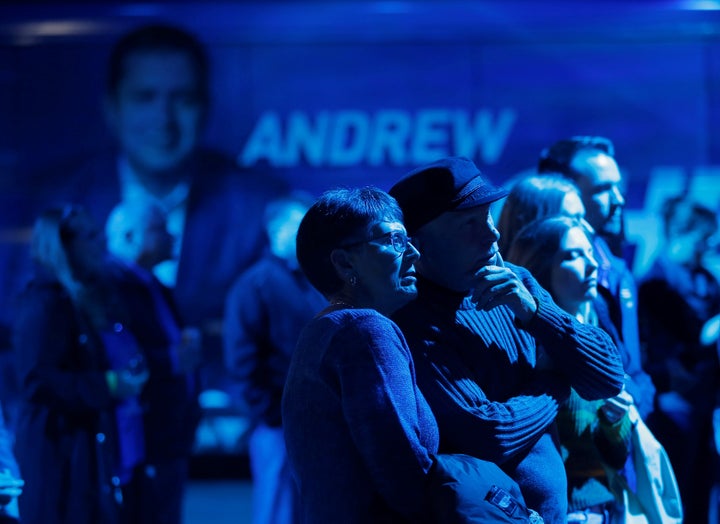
x: 499, y: 285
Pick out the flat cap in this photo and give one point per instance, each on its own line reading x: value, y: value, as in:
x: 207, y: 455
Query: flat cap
x: 445, y: 185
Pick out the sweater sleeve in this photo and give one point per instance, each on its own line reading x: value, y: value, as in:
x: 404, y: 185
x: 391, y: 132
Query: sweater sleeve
x: 48, y: 356
x: 471, y: 423
x: 382, y: 409
x: 584, y: 353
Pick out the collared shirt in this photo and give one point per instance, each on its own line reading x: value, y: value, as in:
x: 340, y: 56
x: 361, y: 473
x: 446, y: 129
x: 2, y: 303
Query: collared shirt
x: 174, y: 203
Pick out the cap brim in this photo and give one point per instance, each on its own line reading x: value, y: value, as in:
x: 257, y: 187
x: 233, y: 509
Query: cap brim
x: 479, y: 192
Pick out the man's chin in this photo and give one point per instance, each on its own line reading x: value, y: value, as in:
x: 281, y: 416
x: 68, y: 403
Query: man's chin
x: 159, y: 167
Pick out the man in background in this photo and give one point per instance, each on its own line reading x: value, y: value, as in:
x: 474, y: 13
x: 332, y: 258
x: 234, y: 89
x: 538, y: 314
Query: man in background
x: 156, y: 103
x: 266, y: 309
x: 590, y: 163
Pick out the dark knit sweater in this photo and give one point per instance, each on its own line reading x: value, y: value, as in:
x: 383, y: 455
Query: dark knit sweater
x: 360, y: 436
x: 478, y: 370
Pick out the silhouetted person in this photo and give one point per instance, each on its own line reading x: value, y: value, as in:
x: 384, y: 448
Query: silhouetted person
x: 678, y: 296
x: 266, y: 309
x: 136, y: 233
x: 80, y: 363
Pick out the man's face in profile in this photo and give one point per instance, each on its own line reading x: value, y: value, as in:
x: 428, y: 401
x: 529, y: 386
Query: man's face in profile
x: 599, y: 182
x: 157, y: 111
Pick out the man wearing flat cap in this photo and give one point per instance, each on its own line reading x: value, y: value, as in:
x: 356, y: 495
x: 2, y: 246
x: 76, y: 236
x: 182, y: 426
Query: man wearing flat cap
x: 478, y: 328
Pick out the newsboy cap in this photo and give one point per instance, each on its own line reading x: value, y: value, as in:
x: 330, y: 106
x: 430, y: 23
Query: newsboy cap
x: 445, y: 185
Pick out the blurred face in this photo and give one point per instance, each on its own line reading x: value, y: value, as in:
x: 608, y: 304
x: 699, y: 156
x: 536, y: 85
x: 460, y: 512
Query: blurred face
x: 689, y: 247
x: 456, y: 245
x: 283, y: 229
x: 85, y: 247
x: 573, y: 277
x: 157, y: 111
x: 155, y: 243
x: 386, y: 278
x: 572, y: 206
x: 599, y: 183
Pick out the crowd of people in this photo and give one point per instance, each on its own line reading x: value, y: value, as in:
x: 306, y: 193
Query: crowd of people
x: 399, y: 357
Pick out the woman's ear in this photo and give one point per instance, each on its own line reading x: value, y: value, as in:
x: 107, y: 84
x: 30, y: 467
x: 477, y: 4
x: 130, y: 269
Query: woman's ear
x: 342, y: 263
x: 340, y: 259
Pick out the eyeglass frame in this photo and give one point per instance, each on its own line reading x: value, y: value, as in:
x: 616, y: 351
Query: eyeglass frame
x: 392, y: 235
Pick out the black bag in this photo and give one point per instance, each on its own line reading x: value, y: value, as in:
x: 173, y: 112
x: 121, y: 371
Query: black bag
x: 465, y: 490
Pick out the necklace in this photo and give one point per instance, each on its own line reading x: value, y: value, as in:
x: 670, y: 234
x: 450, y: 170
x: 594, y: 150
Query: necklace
x: 341, y: 304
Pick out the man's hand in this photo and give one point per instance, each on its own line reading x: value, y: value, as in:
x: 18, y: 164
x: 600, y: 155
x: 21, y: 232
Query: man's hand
x: 498, y: 285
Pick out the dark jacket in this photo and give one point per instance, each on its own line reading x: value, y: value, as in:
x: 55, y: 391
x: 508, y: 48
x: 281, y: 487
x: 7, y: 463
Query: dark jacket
x: 266, y: 309
x: 223, y: 233
x: 65, y: 431
x: 618, y: 296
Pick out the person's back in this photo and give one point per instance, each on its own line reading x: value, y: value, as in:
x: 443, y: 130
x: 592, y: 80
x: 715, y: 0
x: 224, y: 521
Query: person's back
x: 339, y: 468
x: 266, y: 308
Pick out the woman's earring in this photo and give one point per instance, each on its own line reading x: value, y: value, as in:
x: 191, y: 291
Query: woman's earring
x: 353, y: 280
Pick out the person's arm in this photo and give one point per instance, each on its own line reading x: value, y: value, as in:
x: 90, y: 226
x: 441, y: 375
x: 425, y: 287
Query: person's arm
x: 614, y: 431
x: 473, y: 424
x: 244, y: 325
x: 379, y: 401
x: 49, y: 356
x: 637, y: 382
x: 584, y: 353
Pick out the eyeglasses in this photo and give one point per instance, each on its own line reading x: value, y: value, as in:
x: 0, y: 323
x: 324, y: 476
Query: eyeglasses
x: 399, y: 241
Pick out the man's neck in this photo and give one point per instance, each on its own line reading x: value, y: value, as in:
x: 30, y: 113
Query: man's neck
x: 157, y: 183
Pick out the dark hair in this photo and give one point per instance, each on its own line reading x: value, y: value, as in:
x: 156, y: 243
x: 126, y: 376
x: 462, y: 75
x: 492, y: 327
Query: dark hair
x: 53, y: 231
x: 681, y: 215
x: 531, y: 198
x: 158, y: 37
x: 339, y: 217
x: 536, y: 244
x: 558, y: 157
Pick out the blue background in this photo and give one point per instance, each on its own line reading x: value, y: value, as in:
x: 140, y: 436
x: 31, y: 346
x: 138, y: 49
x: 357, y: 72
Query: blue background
x: 645, y: 74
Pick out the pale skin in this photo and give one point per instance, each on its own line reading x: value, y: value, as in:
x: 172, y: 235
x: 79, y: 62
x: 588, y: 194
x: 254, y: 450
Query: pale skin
x: 574, y: 286
x: 460, y: 252
x: 385, y: 279
x: 599, y: 183
x: 157, y: 115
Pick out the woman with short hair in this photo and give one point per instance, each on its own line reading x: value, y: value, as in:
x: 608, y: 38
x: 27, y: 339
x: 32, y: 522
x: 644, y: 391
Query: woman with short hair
x: 361, y: 439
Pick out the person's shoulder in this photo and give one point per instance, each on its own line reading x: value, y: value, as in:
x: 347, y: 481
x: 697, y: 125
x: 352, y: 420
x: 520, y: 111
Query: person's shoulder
x: 257, y: 274
x: 361, y: 320
x: 78, y: 166
x: 42, y: 293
